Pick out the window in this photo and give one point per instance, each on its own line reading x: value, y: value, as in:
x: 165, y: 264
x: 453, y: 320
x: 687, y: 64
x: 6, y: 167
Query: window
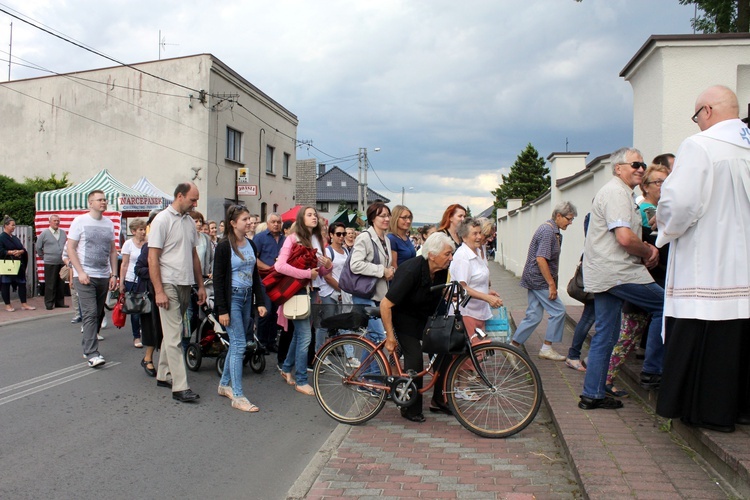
x: 234, y: 145
x: 322, y: 206
x: 285, y: 168
x: 275, y: 207
x: 343, y: 184
x: 269, y: 159
x: 329, y: 183
x: 263, y: 210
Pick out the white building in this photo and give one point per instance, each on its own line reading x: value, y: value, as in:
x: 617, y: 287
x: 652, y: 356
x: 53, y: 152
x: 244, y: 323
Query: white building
x: 173, y: 120
x: 667, y: 74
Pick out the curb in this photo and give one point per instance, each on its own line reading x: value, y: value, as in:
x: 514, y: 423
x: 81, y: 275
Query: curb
x: 32, y: 318
x: 308, y: 476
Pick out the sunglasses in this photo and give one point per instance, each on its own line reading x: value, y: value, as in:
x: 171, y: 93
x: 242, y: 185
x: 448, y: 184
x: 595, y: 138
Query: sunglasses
x: 636, y: 165
x: 340, y: 234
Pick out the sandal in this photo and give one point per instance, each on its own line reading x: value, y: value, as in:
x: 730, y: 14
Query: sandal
x: 137, y: 343
x: 10, y: 309
x: 151, y: 372
x: 26, y: 307
x: 244, y: 405
x: 288, y: 377
x: 226, y: 391
x: 305, y: 389
x: 575, y: 364
x: 611, y: 390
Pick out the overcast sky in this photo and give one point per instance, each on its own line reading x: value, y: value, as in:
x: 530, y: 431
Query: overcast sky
x: 450, y: 91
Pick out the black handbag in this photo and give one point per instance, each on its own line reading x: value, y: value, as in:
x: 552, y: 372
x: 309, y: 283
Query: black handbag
x: 575, y: 286
x: 444, y: 334
x: 136, y: 303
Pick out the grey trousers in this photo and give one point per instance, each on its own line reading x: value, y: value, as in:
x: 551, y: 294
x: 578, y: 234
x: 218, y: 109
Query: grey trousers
x: 91, y: 299
x: 171, y: 358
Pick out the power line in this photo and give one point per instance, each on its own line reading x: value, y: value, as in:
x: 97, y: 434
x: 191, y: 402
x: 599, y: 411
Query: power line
x: 105, y: 125
x: 65, y: 38
x: 381, y: 180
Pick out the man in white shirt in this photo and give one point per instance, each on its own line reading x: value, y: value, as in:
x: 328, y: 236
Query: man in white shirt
x: 92, y: 251
x: 174, y: 267
x: 704, y: 214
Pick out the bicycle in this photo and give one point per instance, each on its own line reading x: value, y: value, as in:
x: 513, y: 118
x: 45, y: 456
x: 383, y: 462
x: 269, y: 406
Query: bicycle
x: 493, y: 389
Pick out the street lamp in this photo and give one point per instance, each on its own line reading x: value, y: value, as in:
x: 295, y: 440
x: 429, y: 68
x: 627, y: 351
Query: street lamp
x: 362, y: 187
x: 403, y: 191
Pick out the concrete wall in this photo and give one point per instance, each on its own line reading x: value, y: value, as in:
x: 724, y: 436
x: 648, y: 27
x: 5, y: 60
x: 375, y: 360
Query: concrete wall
x: 133, y: 124
x: 667, y: 77
x: 517, y: 225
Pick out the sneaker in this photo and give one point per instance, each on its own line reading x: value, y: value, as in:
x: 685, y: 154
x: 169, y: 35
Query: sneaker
x: 551, y: 355
x: 76, y: 319
x: 466, y: 394
x: 98, y: 337
x: 244, y: 405
x: 104, y: 323
x: 96, y: 362
x: 353, y: 363
x: 226, y: 391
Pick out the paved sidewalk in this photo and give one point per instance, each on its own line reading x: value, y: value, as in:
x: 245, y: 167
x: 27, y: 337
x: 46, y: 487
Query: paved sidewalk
x: 20, y: 315
x: 565, y: 453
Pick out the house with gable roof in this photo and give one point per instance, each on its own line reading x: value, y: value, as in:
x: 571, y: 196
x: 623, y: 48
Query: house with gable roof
x: 334, y: 186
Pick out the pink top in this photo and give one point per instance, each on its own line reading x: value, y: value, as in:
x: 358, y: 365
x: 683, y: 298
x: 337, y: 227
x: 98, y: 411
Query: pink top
x: 281, y: 266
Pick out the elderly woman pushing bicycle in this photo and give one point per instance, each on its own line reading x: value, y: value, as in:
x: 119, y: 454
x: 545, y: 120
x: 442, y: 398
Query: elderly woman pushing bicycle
x: 406, y: 307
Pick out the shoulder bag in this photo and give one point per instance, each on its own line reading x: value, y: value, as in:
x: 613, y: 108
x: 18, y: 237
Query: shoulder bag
x: 575, y: 286
x: 298, y: 307
x: 136, y: 303
x: 359, y: 285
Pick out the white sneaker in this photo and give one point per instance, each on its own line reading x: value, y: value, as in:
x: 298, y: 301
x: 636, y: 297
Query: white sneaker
x: 466, y: 394
x: 353, y: 363
x: 104, y: 323
x: 99, y: 337
x: 551, y: 355
x: 96, y: 362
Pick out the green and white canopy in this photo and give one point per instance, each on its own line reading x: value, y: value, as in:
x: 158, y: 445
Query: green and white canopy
x: 121, y: 198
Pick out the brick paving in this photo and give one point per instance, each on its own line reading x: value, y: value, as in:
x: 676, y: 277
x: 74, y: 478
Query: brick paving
x: 565, y: 453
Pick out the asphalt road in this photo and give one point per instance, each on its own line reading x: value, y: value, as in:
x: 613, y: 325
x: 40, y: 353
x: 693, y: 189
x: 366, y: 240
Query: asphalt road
x: 69, y: 431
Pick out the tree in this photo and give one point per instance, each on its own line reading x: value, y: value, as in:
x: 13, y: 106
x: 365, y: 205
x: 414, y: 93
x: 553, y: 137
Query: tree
x: 528, y: 178
x: 17, y: 199
x: 721, y: 16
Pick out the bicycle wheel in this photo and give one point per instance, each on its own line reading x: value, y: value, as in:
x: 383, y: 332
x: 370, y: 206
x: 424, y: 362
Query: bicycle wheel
x: 344, y: 401
x: 508, y: 405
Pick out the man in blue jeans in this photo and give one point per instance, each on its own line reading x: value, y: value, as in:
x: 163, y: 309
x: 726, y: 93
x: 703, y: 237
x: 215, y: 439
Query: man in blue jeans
x: 615, y: 269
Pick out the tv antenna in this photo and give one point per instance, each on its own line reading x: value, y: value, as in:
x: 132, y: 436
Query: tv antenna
x: 163, y: 44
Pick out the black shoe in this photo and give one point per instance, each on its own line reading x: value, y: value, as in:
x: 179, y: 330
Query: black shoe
x: 711, y: 427
x: 650, y: 381
x: 610, y: 390
x: 163, y: 383
x: 418, y: 418
x: 49, y: 308
x: 63, y: 306
x: 743, y: 420
x: 436, y: 407
x: 273, y: 348
x: 604, y: 403
x: 186, y: 396
x: 151, y: 372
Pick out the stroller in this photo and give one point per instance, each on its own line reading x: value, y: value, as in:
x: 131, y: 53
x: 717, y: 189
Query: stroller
x: 210, y: 340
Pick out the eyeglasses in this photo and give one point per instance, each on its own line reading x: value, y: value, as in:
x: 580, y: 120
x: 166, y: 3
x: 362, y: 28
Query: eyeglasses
x: 569, y: 218
x: 384, y: 216
x: 658, y: 183
x: 636, y: 165
x: 695, y: 116
x: 340, y: 234
x: 406, y: 217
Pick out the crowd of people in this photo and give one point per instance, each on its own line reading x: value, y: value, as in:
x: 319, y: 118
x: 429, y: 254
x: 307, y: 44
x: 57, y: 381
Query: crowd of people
x: 666, y: 272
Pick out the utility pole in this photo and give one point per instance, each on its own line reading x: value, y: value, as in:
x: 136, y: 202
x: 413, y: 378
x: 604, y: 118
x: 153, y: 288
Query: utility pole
x: 10, y: 50
x: 364, y: 186
x: 359, y: 182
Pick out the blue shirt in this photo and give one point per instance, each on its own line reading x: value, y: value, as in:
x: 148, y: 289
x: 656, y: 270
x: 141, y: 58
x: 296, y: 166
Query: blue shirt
x: 404, y: 249
x: 242, y: 269
x: 268, y: 248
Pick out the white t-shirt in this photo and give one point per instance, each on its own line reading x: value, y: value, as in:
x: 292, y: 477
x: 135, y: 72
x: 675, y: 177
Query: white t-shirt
x: 339, y: 259
x: 468, y: 267
x: 94, y: 239
x: 134, y: 252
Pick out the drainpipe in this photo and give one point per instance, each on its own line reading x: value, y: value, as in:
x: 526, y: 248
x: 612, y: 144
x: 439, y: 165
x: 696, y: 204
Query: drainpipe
x: 260, y: 156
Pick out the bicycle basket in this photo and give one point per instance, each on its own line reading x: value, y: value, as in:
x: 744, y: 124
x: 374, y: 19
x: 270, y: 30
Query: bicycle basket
x: 339, y: 316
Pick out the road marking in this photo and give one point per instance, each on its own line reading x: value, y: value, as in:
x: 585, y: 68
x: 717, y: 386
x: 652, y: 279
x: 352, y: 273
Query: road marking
x: 53, y: 383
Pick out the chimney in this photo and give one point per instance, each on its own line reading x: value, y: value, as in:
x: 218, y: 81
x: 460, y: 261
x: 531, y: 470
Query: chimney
x: 321, y: 169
